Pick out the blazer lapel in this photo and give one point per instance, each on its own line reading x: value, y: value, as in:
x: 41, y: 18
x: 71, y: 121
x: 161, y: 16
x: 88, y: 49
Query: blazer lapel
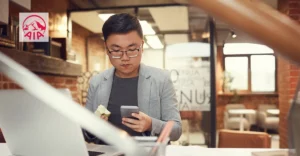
x: 105, y: 87
x: 144, y: 90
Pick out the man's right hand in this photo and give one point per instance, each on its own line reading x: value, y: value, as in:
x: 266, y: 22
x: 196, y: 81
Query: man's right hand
x: 104, y: 117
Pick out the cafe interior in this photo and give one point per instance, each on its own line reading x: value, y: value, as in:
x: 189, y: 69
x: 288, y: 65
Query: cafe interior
x: 235, y: 80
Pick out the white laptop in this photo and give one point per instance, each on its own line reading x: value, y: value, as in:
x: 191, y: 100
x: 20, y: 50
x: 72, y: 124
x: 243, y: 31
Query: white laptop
x: 31, y: 128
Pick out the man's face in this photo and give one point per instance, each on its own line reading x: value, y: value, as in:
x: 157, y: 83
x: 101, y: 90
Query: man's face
x: 127, y: 65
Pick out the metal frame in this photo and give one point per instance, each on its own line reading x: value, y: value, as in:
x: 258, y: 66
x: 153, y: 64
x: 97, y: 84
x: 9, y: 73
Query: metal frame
x: 212, y: 42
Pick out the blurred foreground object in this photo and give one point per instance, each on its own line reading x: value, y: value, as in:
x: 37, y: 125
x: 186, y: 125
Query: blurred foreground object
x: 260, y: 21
x: 70, y: 109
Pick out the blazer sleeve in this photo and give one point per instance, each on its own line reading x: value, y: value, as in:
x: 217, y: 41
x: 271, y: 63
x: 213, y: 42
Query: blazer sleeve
x: 89, y: 105
x: 169, y: 111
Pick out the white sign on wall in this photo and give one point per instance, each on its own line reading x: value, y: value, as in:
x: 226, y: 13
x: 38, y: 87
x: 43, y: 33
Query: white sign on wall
x: 191, y: 78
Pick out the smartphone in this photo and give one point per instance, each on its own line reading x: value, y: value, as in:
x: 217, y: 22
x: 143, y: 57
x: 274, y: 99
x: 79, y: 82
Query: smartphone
x: 126, y: 111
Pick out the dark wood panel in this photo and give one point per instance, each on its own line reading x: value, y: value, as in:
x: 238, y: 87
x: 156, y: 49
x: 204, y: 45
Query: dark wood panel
x: 43, y: 64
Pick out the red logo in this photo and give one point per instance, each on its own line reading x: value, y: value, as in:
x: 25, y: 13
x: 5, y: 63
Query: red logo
x: 34, y: 27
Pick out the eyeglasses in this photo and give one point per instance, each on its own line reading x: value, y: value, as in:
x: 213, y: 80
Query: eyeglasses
x: 117, y: 54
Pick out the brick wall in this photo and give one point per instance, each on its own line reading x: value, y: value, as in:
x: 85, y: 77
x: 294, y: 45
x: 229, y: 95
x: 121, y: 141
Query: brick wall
x: 55, y: 81
x: 288, y: 74
x: 79, y: 36
x: 96, y: 57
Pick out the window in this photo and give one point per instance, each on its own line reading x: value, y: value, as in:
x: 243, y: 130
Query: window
x: 238, y: 69
x: 251, y: 71
x: 262, y: 73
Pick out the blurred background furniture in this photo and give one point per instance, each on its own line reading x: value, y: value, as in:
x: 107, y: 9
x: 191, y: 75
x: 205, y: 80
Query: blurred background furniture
x: 245, y: 139
x: 268, y: 117
x: 2, y: 140
x: 233, y: 121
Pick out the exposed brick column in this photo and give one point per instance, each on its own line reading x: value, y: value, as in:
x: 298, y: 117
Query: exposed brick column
x: 288, y: 74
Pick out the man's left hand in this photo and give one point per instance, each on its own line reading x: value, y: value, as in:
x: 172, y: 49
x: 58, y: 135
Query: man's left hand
x: 142, y: 124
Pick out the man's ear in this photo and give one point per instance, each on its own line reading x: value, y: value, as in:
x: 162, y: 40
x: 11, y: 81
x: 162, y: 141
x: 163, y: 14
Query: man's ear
x: 143, y: 42
x: 105, y: 48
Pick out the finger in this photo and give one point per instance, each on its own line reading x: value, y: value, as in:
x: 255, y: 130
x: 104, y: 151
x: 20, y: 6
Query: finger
x: 130, y: 125
x: 139, y: 116
x: 131, y: 121
x: 138, y: 130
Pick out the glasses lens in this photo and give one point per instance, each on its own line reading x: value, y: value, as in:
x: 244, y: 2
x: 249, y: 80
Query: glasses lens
x: 132, y: 53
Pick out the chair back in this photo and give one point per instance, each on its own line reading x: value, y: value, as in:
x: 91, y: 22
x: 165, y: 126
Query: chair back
x: 265, y: 107
x: 243, y: 139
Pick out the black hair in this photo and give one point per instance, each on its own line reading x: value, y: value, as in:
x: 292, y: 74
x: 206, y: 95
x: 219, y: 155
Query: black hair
x: 120, y: 24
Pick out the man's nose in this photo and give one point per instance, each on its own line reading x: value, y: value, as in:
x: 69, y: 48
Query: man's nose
x: 124, y: 56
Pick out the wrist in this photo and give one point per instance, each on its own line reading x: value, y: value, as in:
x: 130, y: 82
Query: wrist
x: 150, y: 124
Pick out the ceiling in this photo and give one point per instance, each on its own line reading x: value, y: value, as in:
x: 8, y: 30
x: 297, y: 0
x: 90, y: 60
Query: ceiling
x: 178, y: 24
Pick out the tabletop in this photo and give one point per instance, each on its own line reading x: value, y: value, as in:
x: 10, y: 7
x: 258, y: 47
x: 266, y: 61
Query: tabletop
x: 241, y: 111
x: 175, y: 150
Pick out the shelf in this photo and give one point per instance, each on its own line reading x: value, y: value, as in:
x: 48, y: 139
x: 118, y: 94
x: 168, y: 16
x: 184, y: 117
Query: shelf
x: 43, y: 64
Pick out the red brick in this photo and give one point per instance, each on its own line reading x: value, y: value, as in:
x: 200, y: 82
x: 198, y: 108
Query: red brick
x: 71, y: 81
x: 6, y: 85
x: 48, y: 79
x: 292, y: 91
x: 294, y: 5
x: 59, y: 85
x: 73, y: 88
x: 294, y: 79
x: 293, y: 85
x: 6, y: 79
x: 14, y: 86
x: 58, y: 80
x: 294, y: 11
x: 294, y: 67
x: 294, y: 17
x: 294, y: 73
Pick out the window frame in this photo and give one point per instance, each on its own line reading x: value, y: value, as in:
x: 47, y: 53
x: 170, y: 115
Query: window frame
x: 249, y: 71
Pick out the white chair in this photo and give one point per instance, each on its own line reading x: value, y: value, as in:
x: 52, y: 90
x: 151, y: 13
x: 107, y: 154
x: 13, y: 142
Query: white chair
x: 232, y: 121
x: 265, y: 120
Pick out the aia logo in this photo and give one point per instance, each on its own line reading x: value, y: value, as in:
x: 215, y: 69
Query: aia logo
x: 34, y: 27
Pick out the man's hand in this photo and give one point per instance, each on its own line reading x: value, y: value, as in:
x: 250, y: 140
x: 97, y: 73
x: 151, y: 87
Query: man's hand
x: 144, y: 122
x: 104, y: 117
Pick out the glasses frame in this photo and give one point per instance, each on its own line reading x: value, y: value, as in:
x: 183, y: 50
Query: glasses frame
x: 124, y: 51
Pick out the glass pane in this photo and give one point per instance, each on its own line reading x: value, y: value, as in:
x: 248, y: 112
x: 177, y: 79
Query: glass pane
x: 263, y: 73
x: 246, y: 48
x: 237, y: 68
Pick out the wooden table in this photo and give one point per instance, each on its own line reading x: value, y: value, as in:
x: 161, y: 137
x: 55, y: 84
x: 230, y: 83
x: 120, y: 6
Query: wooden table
x: 273, y: 111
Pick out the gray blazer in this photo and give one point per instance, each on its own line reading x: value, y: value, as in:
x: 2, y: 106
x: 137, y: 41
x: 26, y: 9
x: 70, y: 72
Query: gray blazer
x: 156, y: 97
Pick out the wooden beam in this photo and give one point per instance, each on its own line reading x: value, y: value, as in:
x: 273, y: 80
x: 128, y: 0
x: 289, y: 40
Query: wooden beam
x: 260, y: 21
x: 43, y: 64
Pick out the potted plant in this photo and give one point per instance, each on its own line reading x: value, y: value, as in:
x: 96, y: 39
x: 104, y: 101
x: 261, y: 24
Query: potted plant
x: 227, y: 80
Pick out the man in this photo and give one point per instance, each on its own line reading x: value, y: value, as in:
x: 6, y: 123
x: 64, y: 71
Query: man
x: 132, y: 83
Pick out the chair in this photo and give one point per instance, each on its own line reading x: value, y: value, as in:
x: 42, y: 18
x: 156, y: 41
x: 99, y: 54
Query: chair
x: 265, y: 120
x: 2, y: 140
x: 232, y: 121
x: 243, y: 139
